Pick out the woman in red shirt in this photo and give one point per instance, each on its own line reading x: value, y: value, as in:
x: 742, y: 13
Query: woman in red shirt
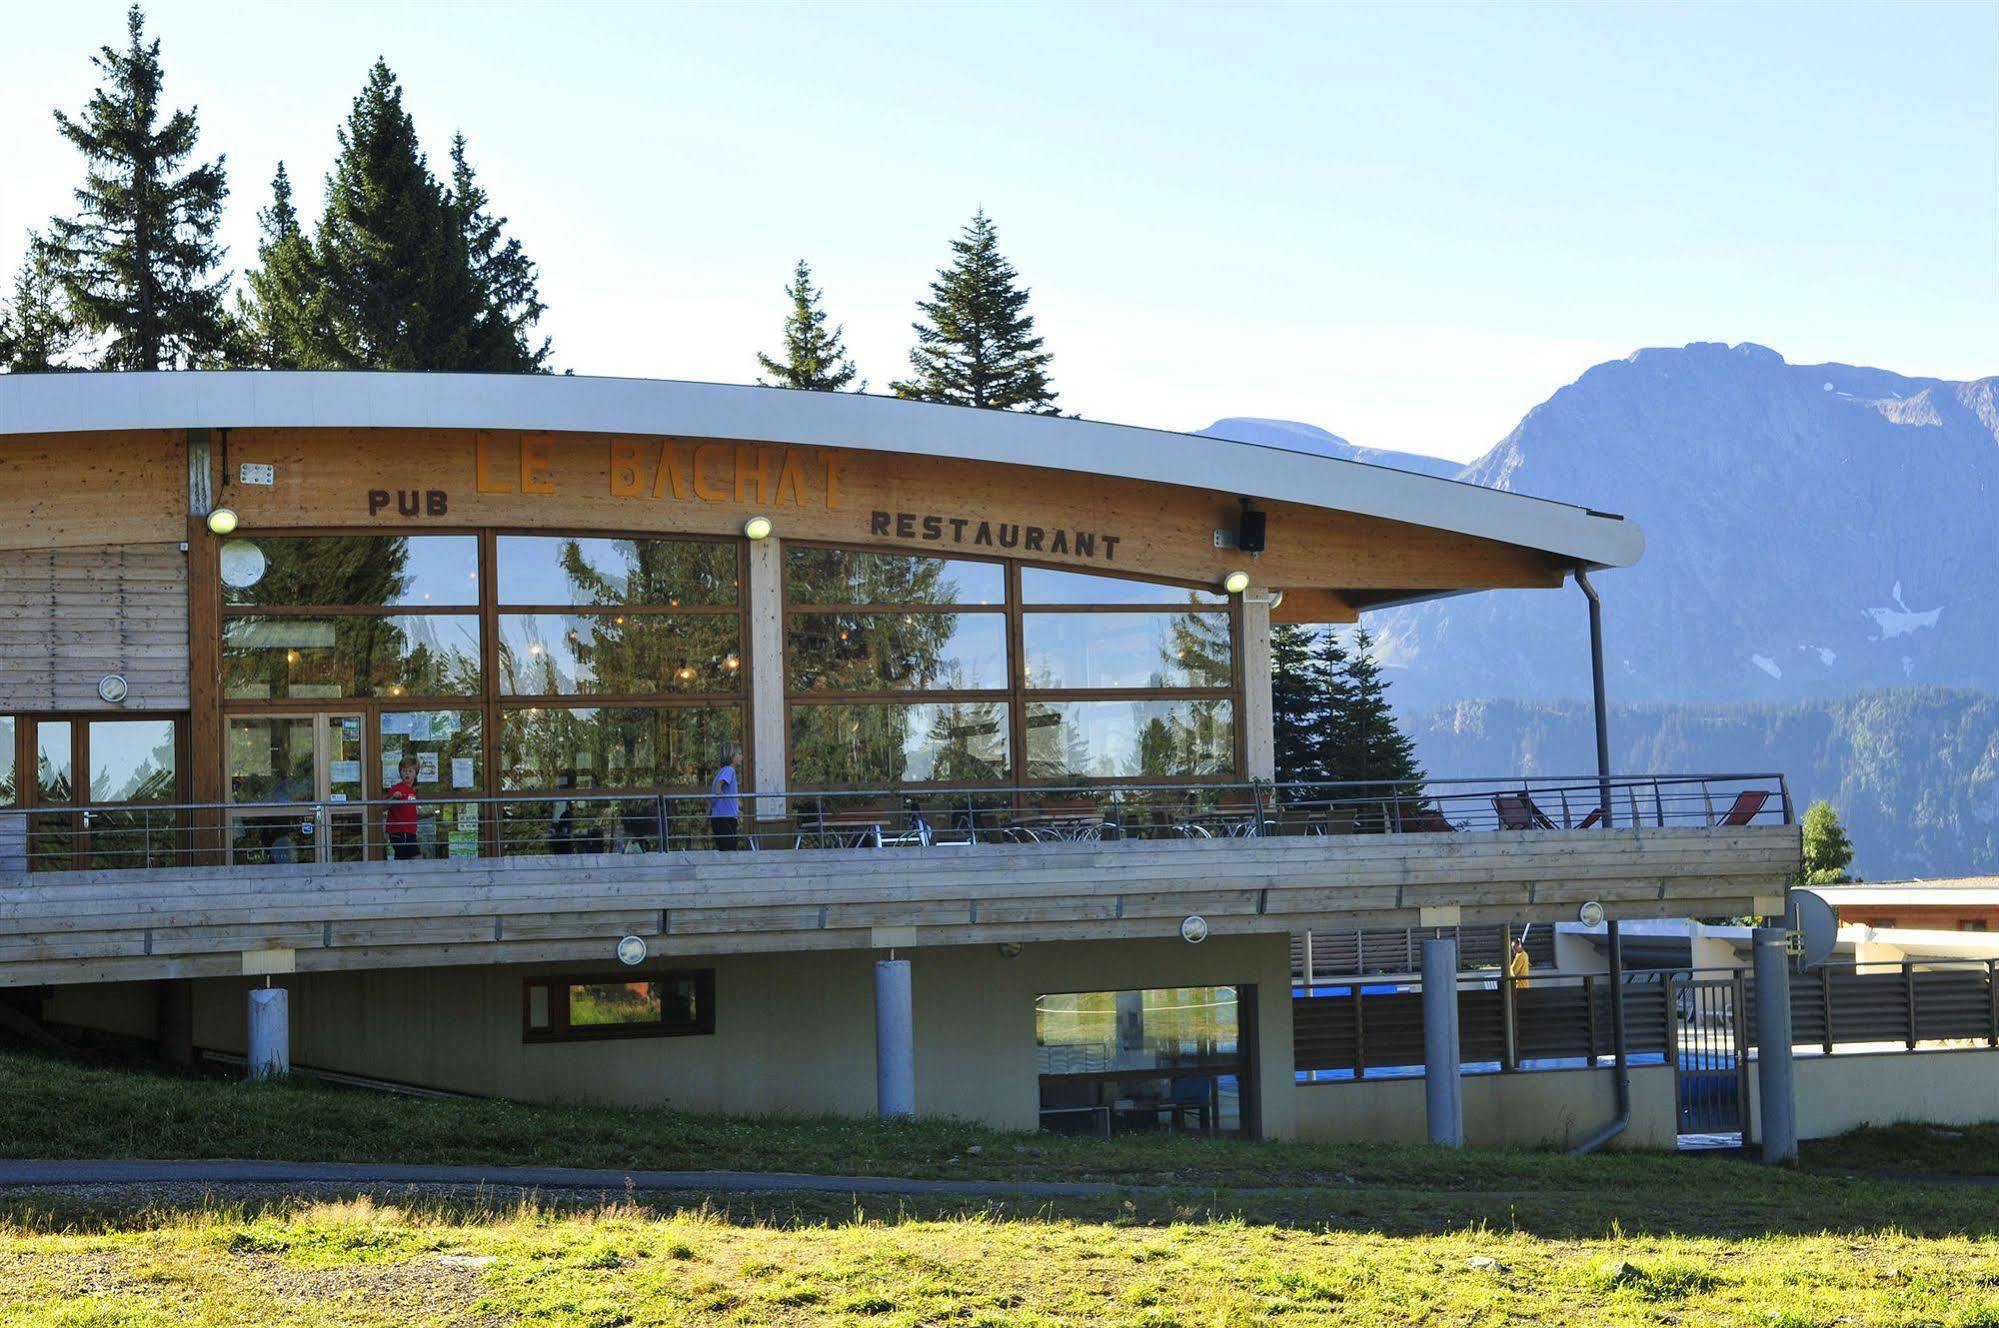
x: 401, y: 818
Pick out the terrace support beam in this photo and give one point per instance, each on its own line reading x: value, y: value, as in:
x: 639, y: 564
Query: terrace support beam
x: 1596, y: 684
x: 895, y: 1040
x: 1443, y: 1089
x: 1777, y: 1115
x: 769, y: 758
x: 1258, y: 713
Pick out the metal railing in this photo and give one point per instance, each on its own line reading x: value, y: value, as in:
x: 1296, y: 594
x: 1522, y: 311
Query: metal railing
x: 445, y: 824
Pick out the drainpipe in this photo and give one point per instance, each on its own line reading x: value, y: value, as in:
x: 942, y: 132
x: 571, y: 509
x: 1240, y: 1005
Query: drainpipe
x: 1621, y: 1080
x: 1596, y: 681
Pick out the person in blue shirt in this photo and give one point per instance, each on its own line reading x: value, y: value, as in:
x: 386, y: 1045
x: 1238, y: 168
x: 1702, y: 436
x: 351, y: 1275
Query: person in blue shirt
x: 724, y: 823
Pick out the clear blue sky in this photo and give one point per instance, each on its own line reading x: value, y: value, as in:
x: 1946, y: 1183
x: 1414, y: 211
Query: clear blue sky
x: 1407, y: 224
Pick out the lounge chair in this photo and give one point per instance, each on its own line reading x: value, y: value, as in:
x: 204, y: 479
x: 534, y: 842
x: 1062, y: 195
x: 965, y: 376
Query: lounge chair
x: 1747, y: 804
x: 1518, y: 812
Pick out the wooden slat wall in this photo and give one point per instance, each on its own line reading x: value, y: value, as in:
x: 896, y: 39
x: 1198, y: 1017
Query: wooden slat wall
x: 70, y: 616
x: 116, y: 925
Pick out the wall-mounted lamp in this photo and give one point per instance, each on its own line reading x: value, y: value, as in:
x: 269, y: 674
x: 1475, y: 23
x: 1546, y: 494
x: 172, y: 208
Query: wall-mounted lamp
x: 1276, y: 598
x: 757, y: 527
x: 1236, y: 582
x: 222, y: 521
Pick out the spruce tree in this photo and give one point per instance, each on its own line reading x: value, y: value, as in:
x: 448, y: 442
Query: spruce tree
x: 1376, y: 746
x: 507, y: 279
x: 976, y: 344
x: 36, y: 335
x: 138, y: 263
x: 277, y: 316
x: 814, y: 359
x: 396, y: 281
x: 1297, y: 707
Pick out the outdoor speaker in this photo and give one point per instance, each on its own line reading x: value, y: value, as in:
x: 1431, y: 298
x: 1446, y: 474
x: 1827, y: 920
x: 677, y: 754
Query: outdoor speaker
x: 1249, y: 532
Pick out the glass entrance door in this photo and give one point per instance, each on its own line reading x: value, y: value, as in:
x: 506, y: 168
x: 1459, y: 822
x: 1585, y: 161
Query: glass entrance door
x: 300, y: 782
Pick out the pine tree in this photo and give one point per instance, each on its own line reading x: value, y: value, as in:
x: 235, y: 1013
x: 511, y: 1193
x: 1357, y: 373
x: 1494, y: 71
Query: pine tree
x: 396, y: 281
x: 976, y: 345
x: 815, y: 360
x: 277, y: 317
x: 137, y: 264
x: 1376, y: 746
x: 1297, y: 706
x: 1339, y: 754
x: 506, y: 278
x: 1380, y: 749
x: 1828, y: 851
x: 36, y: 335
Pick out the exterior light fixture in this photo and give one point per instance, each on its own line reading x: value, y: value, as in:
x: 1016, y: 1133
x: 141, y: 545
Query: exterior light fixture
x: 113, y: 688
x: 631, y: 950
x: 1590, y: 914
x: 757, y: 527
x: 222, y: 521
x: 1276, y: 598
x: 1193, y: 929
x: 1236, y: 582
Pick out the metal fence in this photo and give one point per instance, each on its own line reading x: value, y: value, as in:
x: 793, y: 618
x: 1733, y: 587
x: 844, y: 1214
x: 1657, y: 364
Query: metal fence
x: 444, y: 824
x: 1354, y: 1028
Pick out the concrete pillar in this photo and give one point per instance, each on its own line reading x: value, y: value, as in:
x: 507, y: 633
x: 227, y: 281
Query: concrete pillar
x: 769, y: 742
x: 1258, y: 723
x: 1777, y: 1115
x: 1443, y: 1090
x: 895, y: 1040
x: 269, y: 1046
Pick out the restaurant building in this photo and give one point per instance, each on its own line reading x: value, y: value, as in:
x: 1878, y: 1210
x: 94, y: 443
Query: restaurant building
x: 1009, y: 843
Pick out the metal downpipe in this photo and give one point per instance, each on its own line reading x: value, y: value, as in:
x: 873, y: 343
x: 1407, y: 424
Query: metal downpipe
x: 1596, y: 683
x: 1621, y: 1074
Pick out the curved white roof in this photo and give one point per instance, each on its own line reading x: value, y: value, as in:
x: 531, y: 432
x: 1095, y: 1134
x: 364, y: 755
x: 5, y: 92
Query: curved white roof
x: 89, y: 402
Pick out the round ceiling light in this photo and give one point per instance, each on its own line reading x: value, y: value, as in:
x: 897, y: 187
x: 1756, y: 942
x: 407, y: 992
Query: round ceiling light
x: 222, y: 521
x: 1236, y: 582
x: 631, y: 950
x: 757, y: 527
x: 1193, y: 929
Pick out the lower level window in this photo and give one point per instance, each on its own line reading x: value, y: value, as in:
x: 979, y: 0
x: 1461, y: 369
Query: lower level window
x: 578, y: 1008
x: 1164, y: 1059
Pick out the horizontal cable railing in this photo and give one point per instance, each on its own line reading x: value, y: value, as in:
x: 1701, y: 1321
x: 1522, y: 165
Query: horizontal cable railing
x: 1357, y: 1027
x: 444, y: 824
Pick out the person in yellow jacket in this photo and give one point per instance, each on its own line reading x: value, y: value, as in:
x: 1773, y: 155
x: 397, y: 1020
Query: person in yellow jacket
x: 1517, y: 967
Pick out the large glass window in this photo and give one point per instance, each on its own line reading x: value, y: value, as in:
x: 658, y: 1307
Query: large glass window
x: 622, y: 654
x: 553, y: 748
x: 835, y: 577
x: 1168, y: 1059
x: 863, y: 625
x: 1103, y: 650
x: 132, y: 760
x: 378, y: 571
x: 547, y: 570
x: 1152, y: 739
x: 8, y: 789
x: 272, y: 658
x: 1047, y: 585
x: 953, y: 743
x: 884, y: 652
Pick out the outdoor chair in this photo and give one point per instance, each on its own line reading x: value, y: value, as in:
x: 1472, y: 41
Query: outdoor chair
x: 1518, y: 812
x: 1747, y: 804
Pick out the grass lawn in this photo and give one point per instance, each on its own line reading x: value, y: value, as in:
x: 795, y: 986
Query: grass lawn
x: 1971, y: 1150
x: 1348, y: 1235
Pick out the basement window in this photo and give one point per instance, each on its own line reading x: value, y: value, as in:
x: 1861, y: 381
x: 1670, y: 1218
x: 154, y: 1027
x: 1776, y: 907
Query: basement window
x: 593, y: 1006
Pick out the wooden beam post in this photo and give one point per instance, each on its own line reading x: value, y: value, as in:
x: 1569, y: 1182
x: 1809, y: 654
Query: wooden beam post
x: 769, y: 743
x: 1257, y: 710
